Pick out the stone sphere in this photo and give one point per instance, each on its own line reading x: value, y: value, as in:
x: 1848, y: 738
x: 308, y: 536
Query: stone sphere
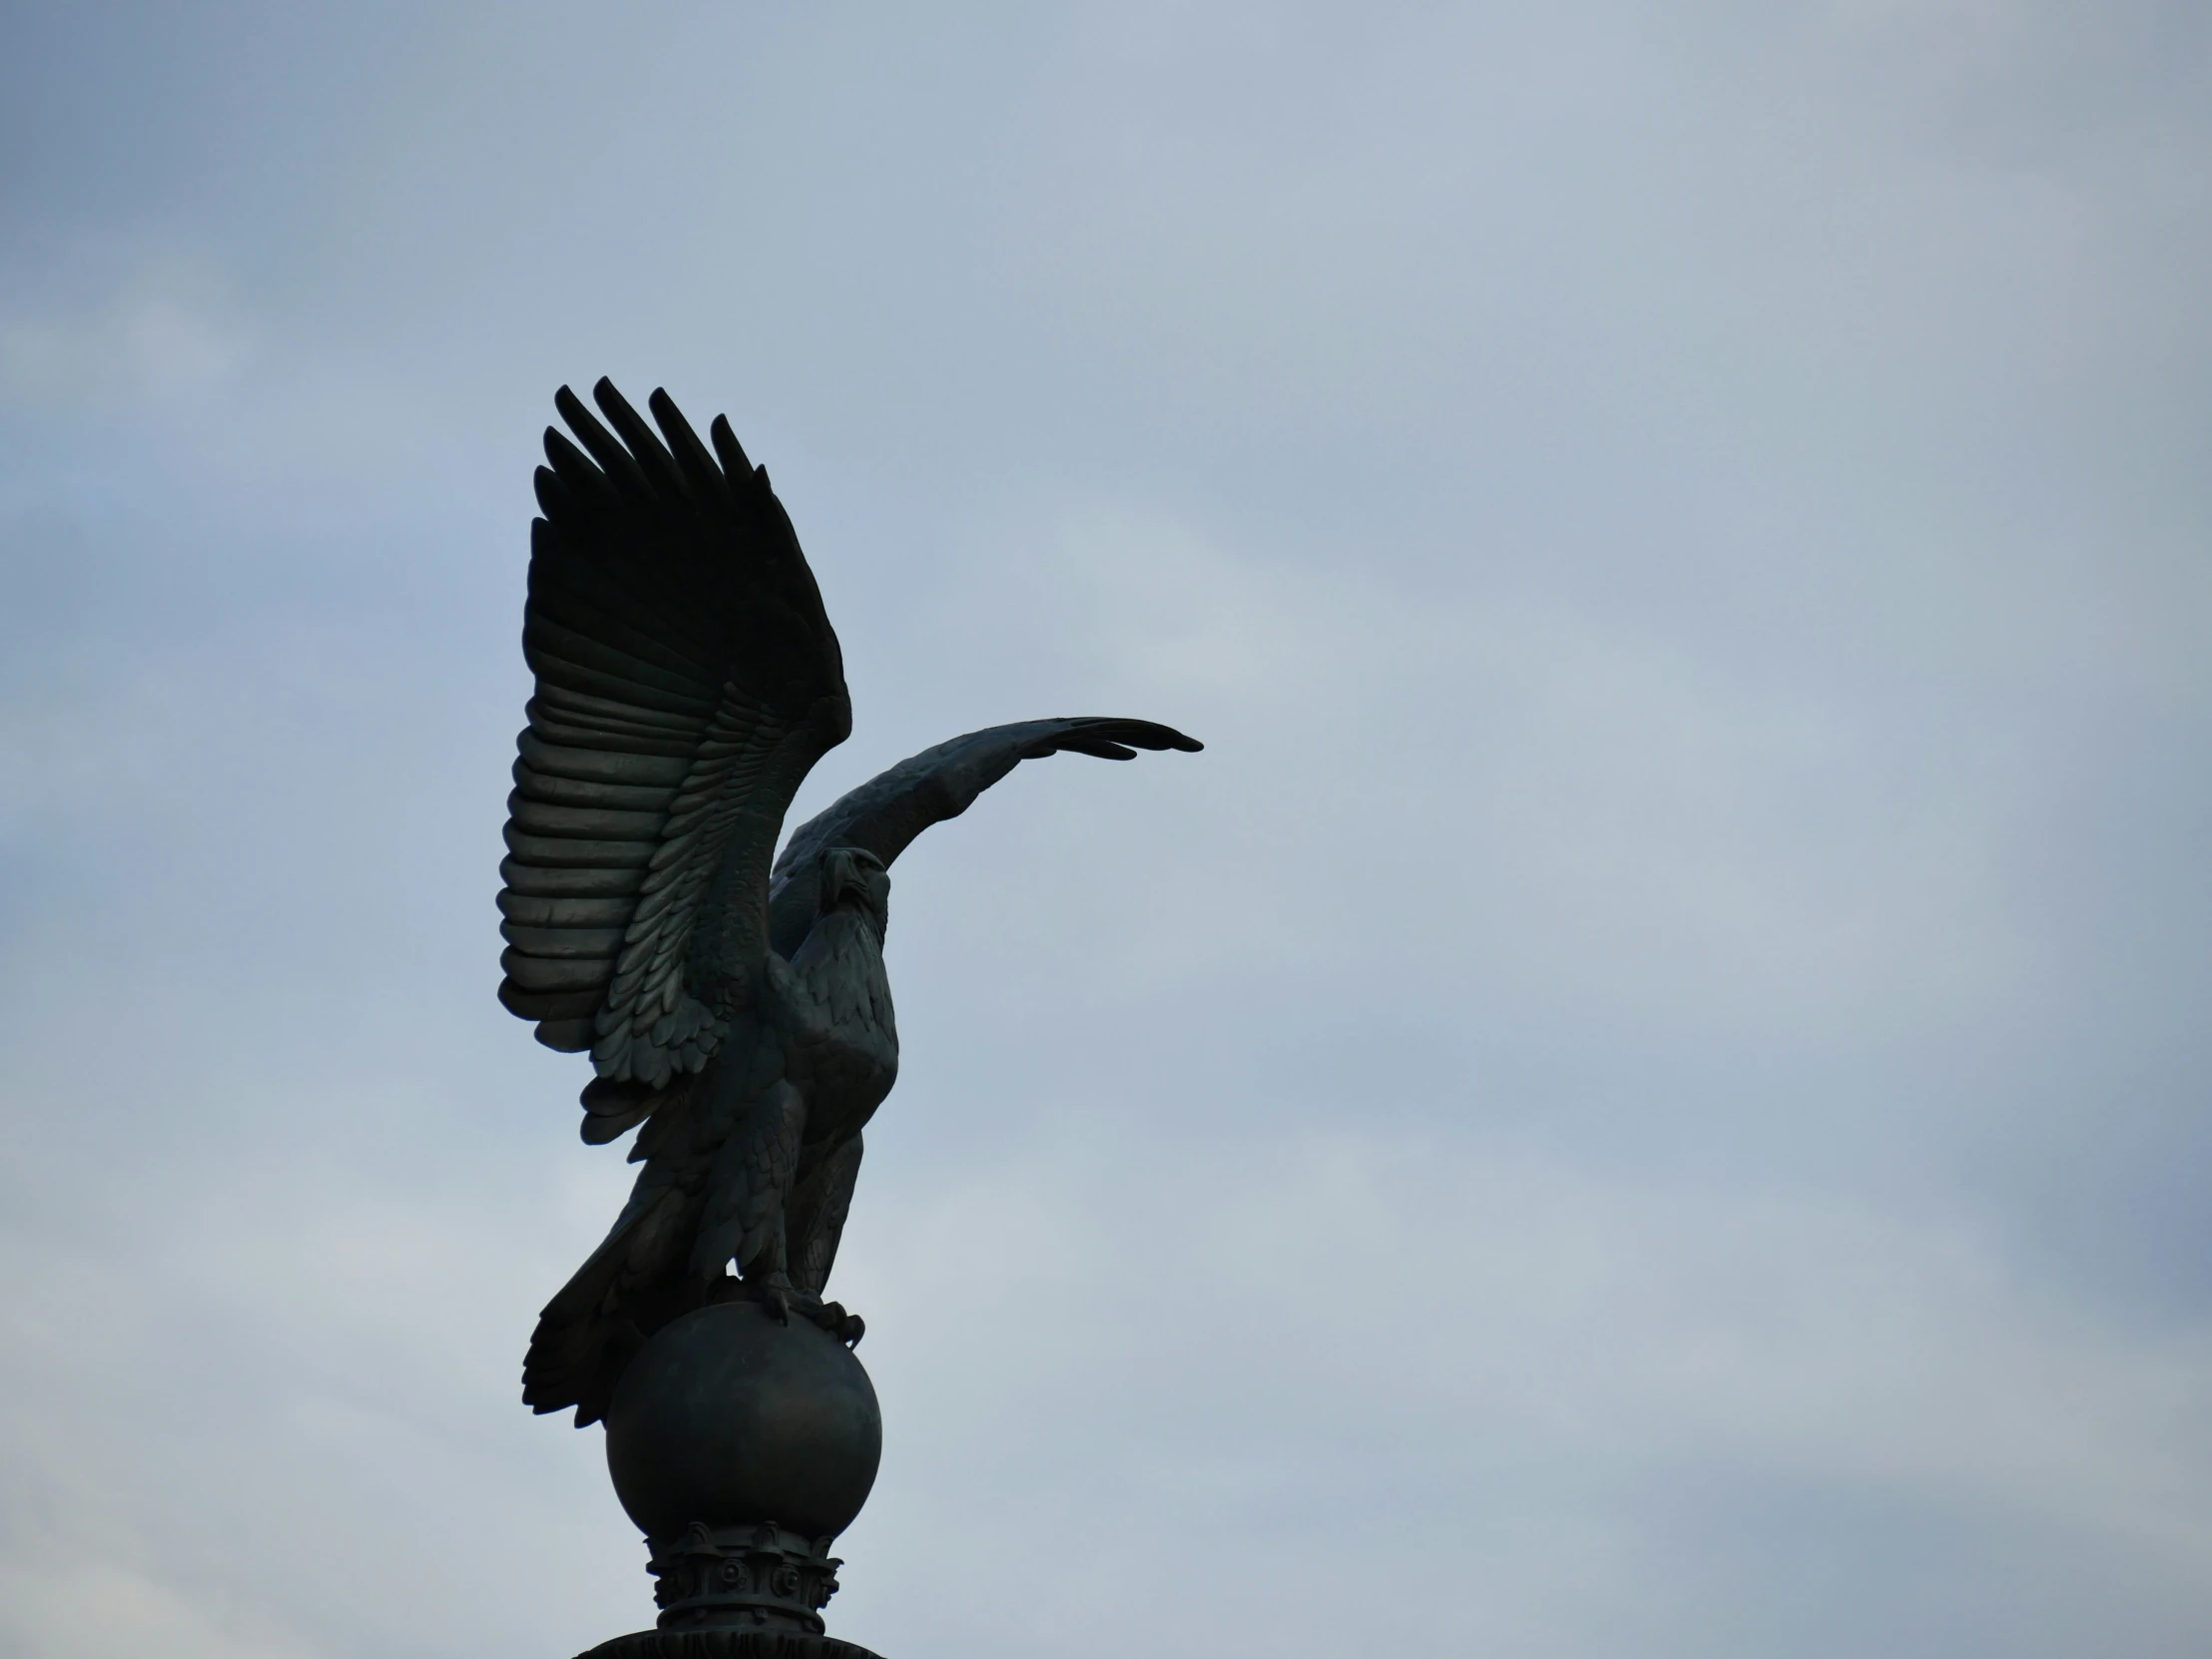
x: 729, y: 1416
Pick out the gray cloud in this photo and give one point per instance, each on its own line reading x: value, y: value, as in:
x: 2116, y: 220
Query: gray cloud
x: 1644, y: 1094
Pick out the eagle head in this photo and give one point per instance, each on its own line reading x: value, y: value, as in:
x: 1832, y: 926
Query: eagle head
x: 854, y: 878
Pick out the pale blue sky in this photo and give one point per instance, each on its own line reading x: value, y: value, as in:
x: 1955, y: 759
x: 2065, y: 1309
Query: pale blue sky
x: 1646, y: 1095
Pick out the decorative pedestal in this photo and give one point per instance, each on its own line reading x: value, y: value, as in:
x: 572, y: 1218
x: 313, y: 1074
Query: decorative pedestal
x: 741, y: 1445
x: 744, y: 1576
x: 725, y: 1644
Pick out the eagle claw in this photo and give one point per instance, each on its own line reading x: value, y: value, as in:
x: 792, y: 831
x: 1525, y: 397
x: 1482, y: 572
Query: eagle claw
x: 831, y: 1317
x: 778, y: 1302
x: 848, y: 1329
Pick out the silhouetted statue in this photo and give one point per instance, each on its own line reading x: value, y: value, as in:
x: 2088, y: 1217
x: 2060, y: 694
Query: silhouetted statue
x: 734, y: 1003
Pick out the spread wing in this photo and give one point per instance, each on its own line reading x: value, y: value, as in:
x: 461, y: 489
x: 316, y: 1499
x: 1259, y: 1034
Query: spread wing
x: 687, y: 680
x: 890, y: 809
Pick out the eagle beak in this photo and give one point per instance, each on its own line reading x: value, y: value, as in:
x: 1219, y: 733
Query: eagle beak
x: 846, y: 869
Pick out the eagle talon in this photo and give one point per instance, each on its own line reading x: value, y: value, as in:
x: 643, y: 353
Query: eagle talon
x: 779, y: 1301
x: 847, y: 1328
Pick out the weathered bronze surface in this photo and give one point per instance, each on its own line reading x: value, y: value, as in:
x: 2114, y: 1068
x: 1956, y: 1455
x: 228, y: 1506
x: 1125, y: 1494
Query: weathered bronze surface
x: 734, y: 1003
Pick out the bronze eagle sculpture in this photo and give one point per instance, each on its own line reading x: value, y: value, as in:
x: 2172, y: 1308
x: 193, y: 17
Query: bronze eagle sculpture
x: 733, y: 1003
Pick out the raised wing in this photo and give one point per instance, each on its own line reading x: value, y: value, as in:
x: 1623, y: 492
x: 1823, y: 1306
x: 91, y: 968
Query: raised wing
x: 890, y: 809
x: 687, y: 680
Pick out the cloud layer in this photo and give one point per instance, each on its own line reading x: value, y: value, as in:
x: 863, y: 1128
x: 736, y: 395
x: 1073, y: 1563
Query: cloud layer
x: 1645, y: 1093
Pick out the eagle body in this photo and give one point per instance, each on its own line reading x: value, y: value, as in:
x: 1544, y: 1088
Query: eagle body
x: 842, y: 1027
x: 733, y: 1001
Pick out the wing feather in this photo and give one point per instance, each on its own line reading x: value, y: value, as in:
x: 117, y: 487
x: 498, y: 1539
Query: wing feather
x: 887, y: 812
x: 687, y: 677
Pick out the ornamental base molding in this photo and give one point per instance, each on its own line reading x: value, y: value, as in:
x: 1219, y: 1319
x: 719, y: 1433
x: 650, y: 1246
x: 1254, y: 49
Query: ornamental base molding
x: 726, y: 1644
x: 757, y: 1576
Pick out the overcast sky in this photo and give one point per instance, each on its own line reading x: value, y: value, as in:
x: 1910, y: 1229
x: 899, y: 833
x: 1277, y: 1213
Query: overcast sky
x: 1647, y: 1094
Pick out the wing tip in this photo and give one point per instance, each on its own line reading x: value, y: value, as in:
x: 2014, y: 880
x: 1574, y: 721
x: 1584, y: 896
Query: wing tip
x: 1138, y: 734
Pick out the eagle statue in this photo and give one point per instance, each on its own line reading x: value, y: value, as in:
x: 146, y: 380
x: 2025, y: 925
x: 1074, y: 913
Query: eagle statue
x: 733, y: 1003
